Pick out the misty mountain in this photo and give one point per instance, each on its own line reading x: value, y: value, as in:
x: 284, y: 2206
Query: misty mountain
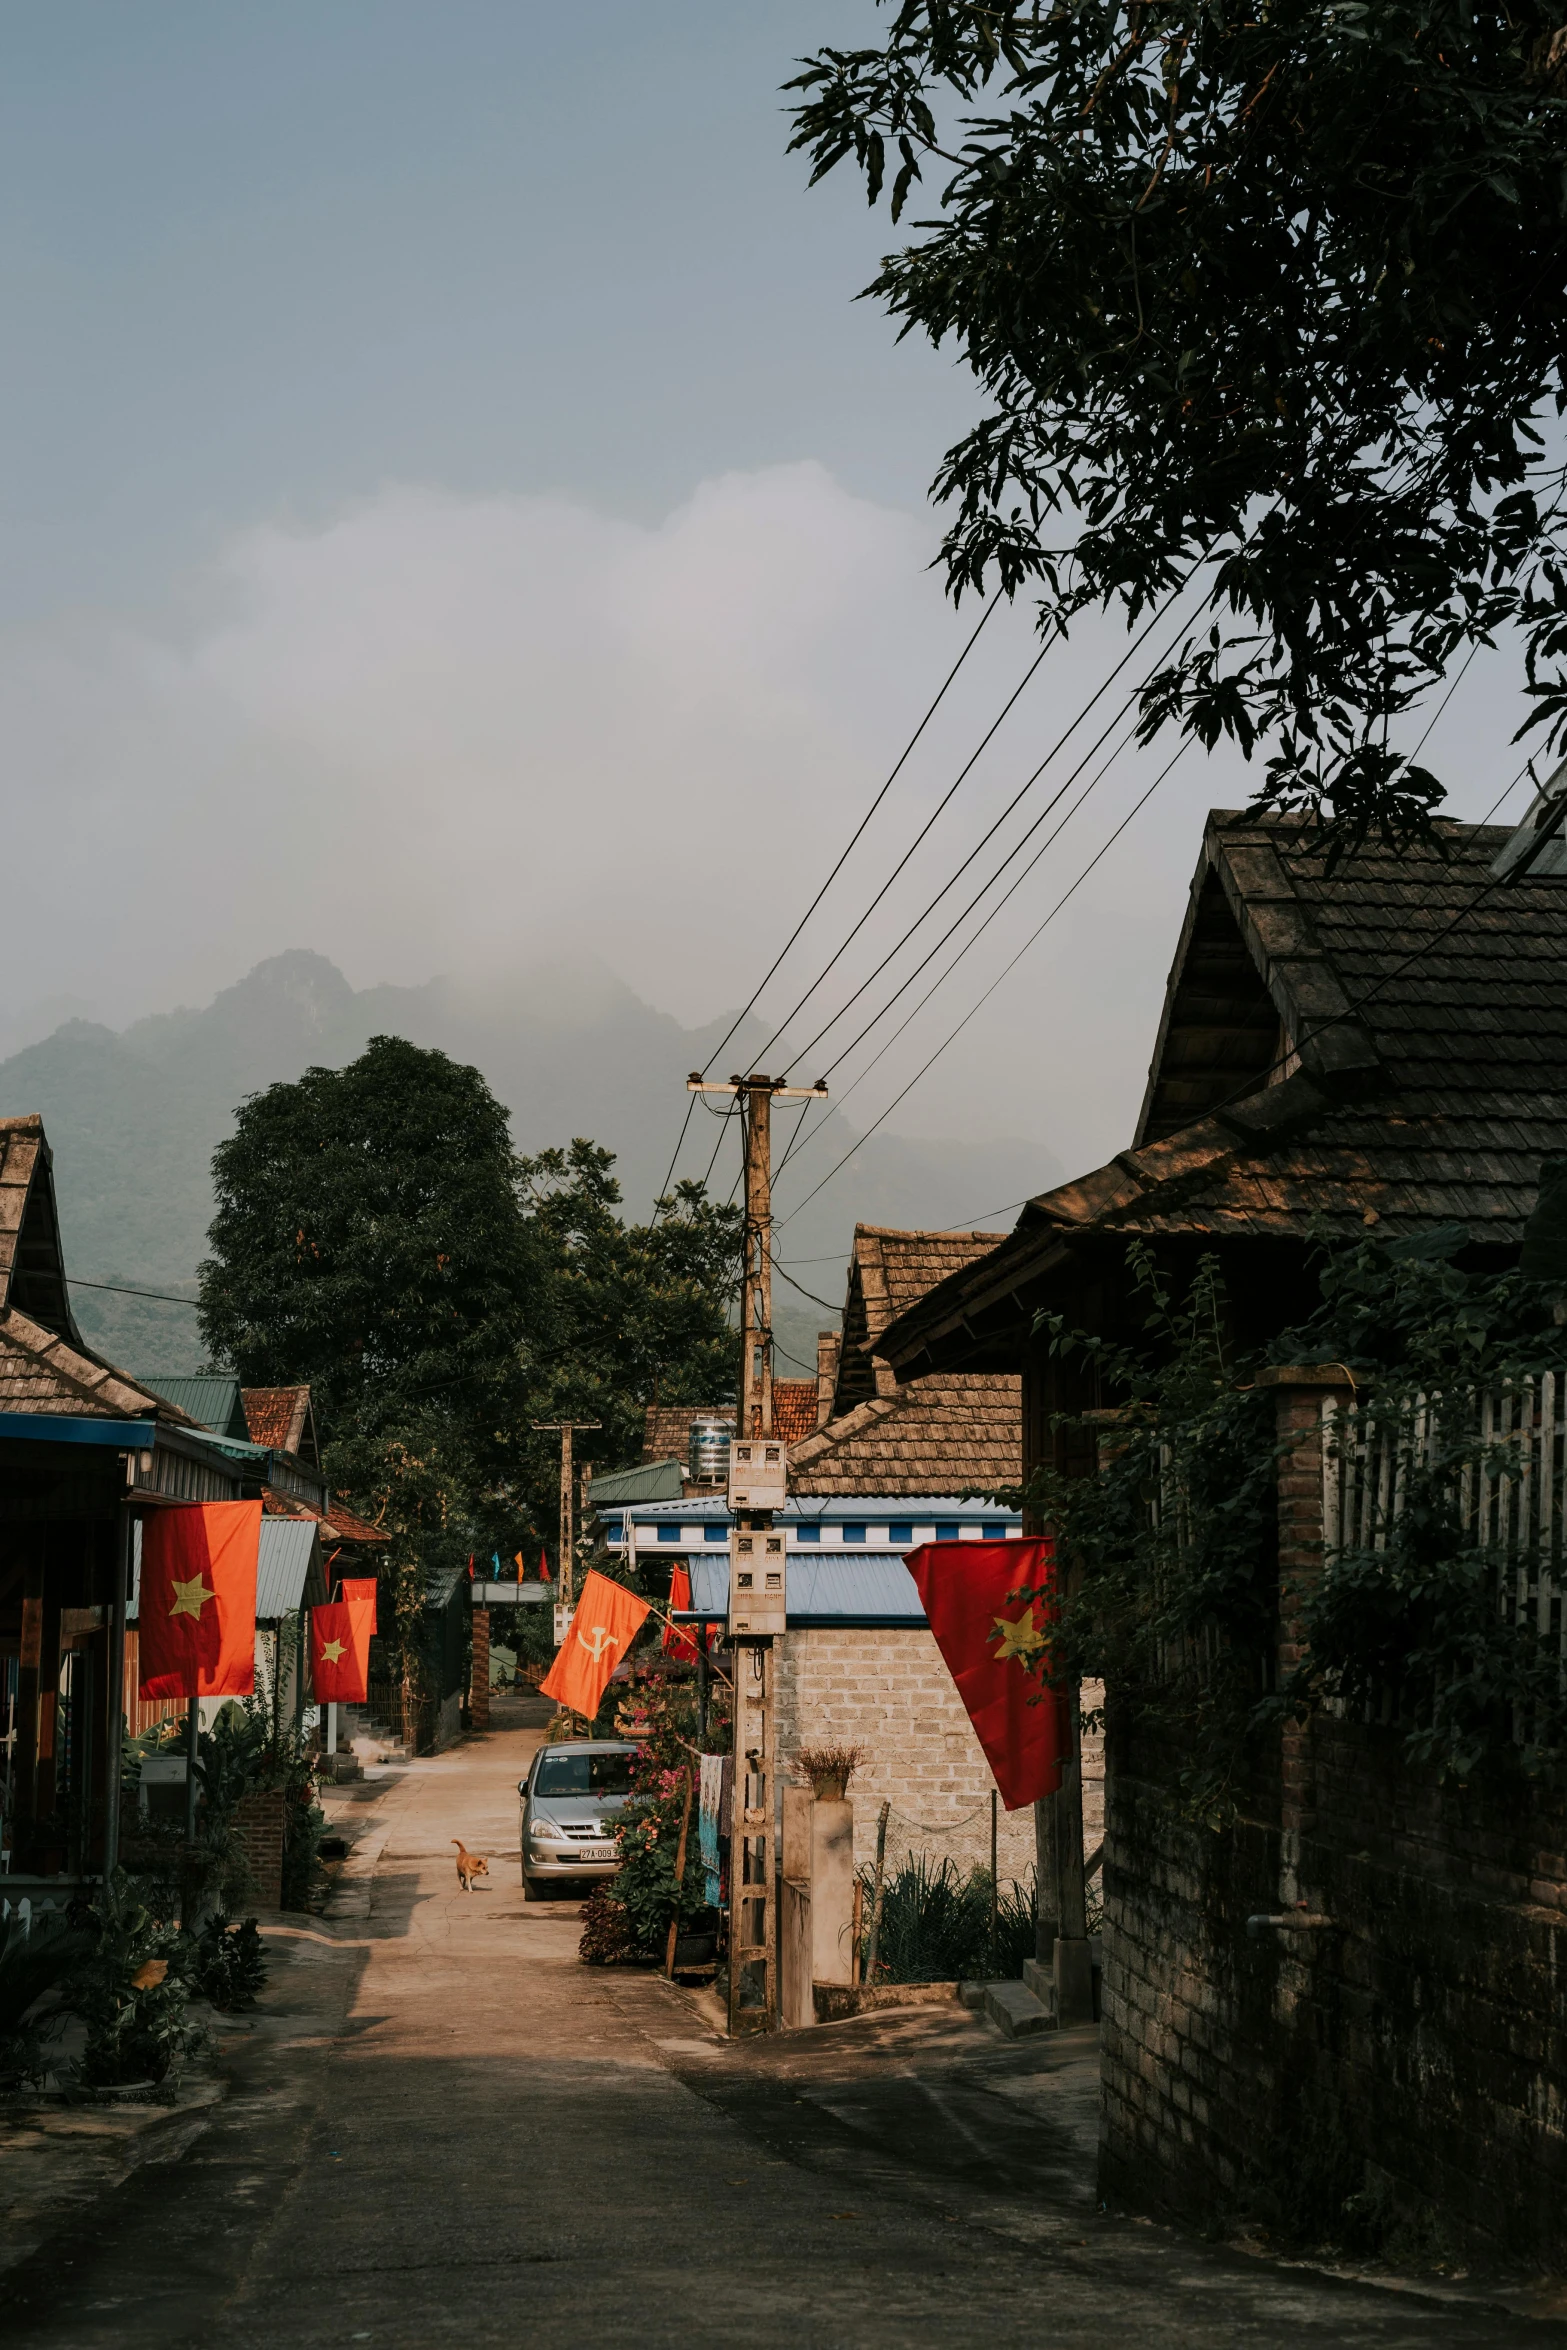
x: 134, y: 1115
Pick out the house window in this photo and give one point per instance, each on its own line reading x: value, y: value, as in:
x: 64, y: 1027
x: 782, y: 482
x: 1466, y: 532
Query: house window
x: 997, y: 1533
x: 812, y: 1533
x: 948, y: 1533
x: 715, y: 1533
x: 669, y: 1534
x: 900, y: 1534
x: 854, y: 1533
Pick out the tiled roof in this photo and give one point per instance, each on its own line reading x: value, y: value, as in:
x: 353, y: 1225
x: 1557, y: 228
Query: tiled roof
x: 889, y: 1272
x: 666, y: 1430
x: 794, y: 1408
x: 338, y: 1524
x: 278, y: 1416
x: 1386, y: 1045
x: 32, y: 1270
x: 344, y: 1525
x: 39, y: 1372
x: 936, y: 1435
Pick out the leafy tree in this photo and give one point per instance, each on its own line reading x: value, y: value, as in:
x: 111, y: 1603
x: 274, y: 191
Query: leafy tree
x: 639, y: 1313
x: 1274, y: 290
x: 370, y: 1238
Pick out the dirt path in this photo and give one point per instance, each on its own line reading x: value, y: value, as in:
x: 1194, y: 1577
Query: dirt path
x: 443, y: 2130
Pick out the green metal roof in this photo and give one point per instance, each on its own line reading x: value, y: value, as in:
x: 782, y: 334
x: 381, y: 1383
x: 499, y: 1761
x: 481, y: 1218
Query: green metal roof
x: 653, y: 1481
x: 213, y: 1401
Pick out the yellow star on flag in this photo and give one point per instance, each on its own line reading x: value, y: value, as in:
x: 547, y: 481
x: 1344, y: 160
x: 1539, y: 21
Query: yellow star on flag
x: 190, y: 1598
x: 1020, y: 1637
x: 331, y: 1651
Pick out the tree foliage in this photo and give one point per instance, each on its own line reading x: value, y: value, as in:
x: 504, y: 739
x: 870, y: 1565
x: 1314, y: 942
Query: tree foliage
x: 1278, y: 291
x: 638, y: 1313
x: 377, y: 1236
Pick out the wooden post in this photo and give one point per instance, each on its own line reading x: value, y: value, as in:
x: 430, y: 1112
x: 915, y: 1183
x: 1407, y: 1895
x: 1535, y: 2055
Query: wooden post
x: 192, y: 1750
x: 114, y: 1712
x: 876, y: 1892
x: 566, y: 1430
x: 680, y: 1878
x: 994, y: 1882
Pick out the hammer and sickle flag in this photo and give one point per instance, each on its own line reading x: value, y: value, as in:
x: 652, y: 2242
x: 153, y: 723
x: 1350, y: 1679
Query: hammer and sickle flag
x: 340, y: 1651
x: 196, y: 1613
x: 607, y: 1620
x: 994, y: 1643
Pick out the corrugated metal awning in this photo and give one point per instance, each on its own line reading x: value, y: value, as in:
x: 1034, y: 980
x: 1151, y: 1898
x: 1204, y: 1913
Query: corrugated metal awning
x: 289, y: 1569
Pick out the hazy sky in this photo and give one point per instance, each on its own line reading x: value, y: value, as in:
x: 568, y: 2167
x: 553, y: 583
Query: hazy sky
x: 453, y: 508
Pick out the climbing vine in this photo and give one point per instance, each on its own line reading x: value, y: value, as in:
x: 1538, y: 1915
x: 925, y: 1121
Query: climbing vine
x: 1433, y: 1610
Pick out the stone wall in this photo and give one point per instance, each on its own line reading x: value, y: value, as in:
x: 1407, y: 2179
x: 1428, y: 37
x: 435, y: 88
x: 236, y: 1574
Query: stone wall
x: 889, y: 1692
x: 1395, y: 2075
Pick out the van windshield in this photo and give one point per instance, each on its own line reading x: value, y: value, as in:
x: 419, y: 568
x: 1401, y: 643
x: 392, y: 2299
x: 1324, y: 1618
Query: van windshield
x: 608, y: 1773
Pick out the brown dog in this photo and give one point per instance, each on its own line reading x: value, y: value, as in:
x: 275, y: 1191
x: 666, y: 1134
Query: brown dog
x: 469, y: 1865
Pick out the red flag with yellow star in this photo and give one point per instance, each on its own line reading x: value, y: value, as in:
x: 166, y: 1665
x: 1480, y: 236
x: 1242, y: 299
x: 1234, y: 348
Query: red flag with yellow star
x: 340, y: 1651
x: 196, y: 1613
x: 607, y: 1620
x: 993, y: 1642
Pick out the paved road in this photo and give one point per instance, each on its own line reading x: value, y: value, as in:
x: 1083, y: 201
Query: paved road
x: 443, y: 2130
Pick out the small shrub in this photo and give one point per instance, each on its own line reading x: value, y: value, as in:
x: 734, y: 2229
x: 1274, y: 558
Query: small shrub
x: 607, y: 1936
x: 828, y: 1769
x: 132, y: 1994
x: 935, y: 1924
x: 229, y: 1963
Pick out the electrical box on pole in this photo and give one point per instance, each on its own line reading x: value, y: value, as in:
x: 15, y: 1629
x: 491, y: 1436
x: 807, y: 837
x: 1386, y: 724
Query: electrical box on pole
x: 758, y: 1584
x: 758, y: 1473
x: 758, y: 1591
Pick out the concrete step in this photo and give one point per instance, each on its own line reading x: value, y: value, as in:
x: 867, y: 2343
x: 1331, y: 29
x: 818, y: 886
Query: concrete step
x: 1041, y: 1980
x: 1014, y: 2010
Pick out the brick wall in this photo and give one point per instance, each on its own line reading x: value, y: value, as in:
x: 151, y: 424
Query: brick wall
x: 1401, y: 2074
x: 258, y: 1828
x: 479, y: 1671
x: 889, y: 1692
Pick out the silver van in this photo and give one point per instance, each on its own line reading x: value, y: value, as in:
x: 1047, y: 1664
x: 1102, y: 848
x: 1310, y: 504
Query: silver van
x: 569, y: 1800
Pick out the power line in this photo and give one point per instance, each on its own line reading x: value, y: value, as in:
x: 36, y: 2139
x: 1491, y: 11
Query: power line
x: 1065, y: 737
x: 991, y: 989
x: 953, y: 927
x: 986, y: 739
x: 158, y: 1296
x: 942, y: 977
x: 858, y: 830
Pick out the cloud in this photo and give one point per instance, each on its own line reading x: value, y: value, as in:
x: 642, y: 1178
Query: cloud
x: 438, y: 732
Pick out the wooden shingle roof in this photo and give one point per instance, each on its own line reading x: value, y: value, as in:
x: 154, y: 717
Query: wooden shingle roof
x: 1385, y: 1045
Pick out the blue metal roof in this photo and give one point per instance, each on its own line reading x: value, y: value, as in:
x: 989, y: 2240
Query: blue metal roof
x: 874, y: 1591
x: 832, y: 1509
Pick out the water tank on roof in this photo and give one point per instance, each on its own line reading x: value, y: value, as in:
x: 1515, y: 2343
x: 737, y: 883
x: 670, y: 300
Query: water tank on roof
x: 710, y: 1440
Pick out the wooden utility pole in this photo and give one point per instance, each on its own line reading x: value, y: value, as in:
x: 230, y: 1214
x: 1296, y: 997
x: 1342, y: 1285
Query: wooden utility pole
x: 757, y: 1488
x: 568, y: 1557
